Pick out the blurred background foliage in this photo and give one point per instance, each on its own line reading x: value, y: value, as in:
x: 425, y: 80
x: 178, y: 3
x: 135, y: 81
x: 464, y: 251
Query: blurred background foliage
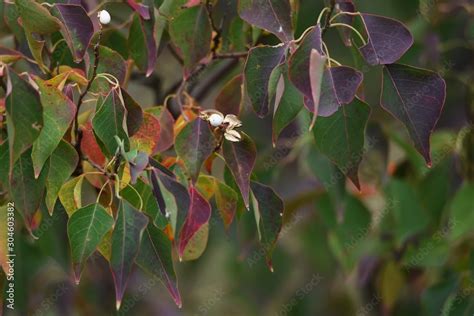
x: 402, y: 246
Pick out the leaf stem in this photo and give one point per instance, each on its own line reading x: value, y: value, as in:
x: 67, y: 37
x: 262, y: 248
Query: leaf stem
x: 352, y: 28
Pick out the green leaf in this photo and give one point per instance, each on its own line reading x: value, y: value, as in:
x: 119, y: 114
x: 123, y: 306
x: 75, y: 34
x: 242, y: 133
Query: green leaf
x: 150, y: 206
x: 110, y: 121
x: 142, y: 44
x: 462, y: 212
x: 61, y: 165
x: 341, y: 137
x: 407, y: 210
x: 24, y: 115
x: 194, y: 144
x: 70, y: 194
x: 288, y: 103
x: 268, y: 209
x: 259, y: 65
x: 58, y: 113
x: 155, y: 258
x: 226, y: 202
x: 26, y: 190
x: 191, y: 32
x: 36, y: 18
x: 240, y: 157
x: 86, y: 228
x: 197, y: 244
x: 126, y: 239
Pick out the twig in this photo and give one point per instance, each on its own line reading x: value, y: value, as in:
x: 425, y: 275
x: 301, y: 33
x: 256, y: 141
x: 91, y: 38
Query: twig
x: 327, y: 22
x: 77, y: 131
x: 235, y: 55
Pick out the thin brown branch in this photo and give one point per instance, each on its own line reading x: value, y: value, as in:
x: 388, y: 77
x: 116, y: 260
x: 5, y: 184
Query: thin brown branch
x: 235, y: 55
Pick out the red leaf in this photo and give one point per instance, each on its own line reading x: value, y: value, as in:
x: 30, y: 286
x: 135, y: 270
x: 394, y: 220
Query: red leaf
x: 89, y: 146
x: 199, y: 214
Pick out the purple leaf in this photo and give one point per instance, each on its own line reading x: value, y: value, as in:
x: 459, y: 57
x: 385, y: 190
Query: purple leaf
x: 240, y: 157
x: 138, y: 166
x: 77, y: 28
x: 271, y: 15
x: 339, y: 86
x: 269, y: 215
x: 194, y: 144
x: 258, y: 68
x: 126, y: 239
x: 299, y: 62
x: 198, y: 215
x: 140, y: 8
x: 415, y: 97
x: 389, y: 39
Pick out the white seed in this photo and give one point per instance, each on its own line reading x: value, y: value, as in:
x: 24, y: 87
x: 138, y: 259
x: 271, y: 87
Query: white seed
x: 216, y: 119
x: 104, y: 17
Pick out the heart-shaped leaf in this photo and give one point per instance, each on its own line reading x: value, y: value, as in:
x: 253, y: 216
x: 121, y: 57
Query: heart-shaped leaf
x: 271, y: 15
x: 240, y: 157
x: 259, y: 66
x: 58, y: 113
x: 341, y: 137
x: 126, y: 239
x: 24, y: 115
x: 155, y: 258
x: 77, y: 28
x: 198, y: 215
x: 191, y: 32
x: 389, y: 39
x: 60, y: 166
x: 141, y: 42
x: 110, y: 121
x: 415, y: 97
x: 86, y: 228
x: 194, y: 144
x: 268, y: 208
